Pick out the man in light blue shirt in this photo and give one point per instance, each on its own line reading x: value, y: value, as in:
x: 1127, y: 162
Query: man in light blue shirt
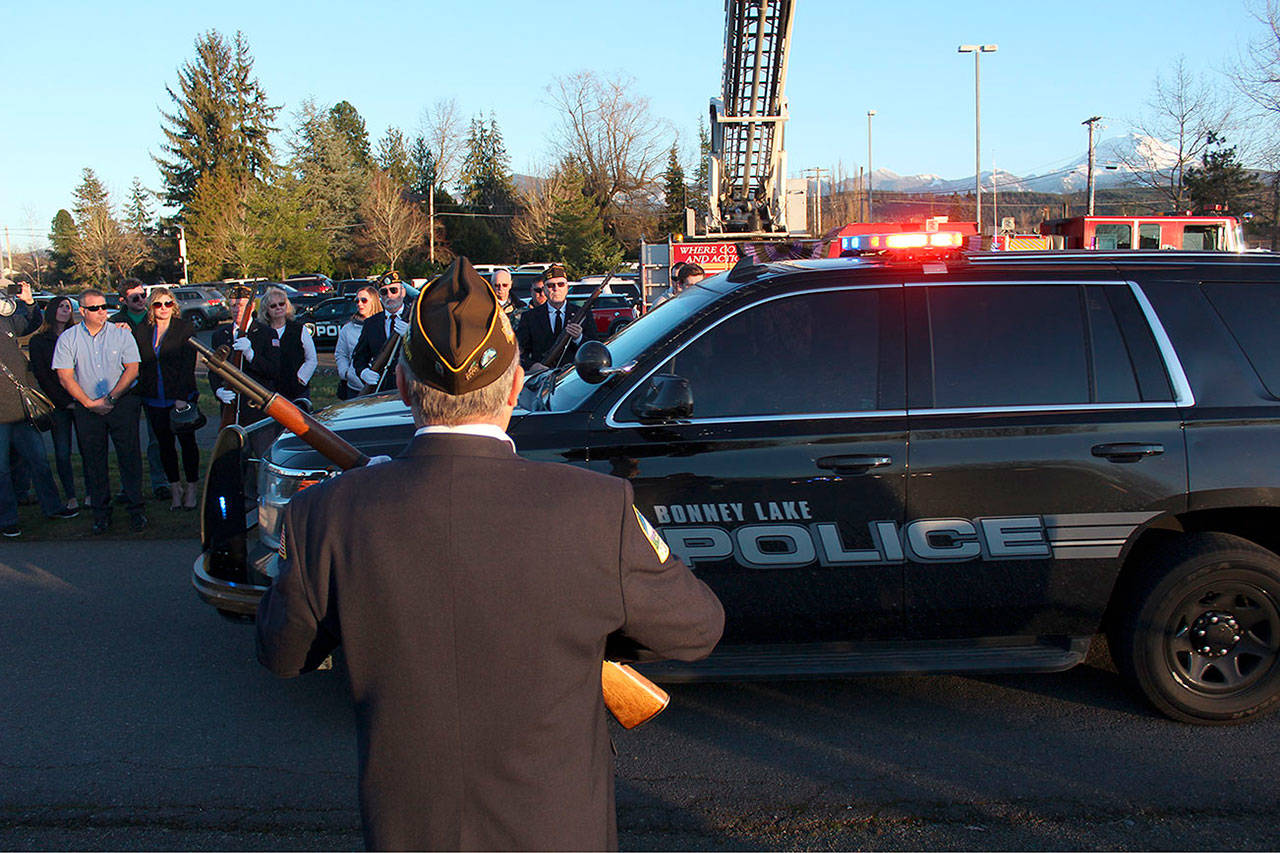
x: 97, y: 362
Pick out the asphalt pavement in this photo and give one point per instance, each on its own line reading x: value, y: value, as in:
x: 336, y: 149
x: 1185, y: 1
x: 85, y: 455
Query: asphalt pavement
x: 134, y: 717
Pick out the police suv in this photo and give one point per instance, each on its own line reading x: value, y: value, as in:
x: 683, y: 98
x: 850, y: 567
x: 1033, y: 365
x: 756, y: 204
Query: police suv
x: 916, y: 461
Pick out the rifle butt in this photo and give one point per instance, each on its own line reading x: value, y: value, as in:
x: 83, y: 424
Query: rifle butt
x: 629, y: 696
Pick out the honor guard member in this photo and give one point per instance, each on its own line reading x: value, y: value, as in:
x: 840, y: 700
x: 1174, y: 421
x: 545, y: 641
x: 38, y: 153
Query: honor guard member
x: 474, y: 662
x: 502, y: 287
x: 541, y: 326
x: 393, y: 319
x: 240, y: 301
x: 279, y: 351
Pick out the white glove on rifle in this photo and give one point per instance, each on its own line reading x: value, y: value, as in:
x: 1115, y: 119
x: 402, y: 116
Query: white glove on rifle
x: 402, y: 327
x: 377, y: 460
x: 369, y: 376
x: 225, y: 395
x: 242, y: 345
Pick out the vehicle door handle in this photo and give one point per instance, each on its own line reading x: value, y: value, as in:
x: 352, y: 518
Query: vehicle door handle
x: 853, y: 464
x: 1127, y: 451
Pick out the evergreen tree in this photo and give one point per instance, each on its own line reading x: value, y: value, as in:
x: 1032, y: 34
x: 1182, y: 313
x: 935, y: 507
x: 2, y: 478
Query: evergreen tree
x: 332, y: 179
x: 701, y: 177
x: 137, y: 212
x: 422, y: 167
x: 282, y: 228
x: 221, y: 119
x: 486, y: 169
x: 97, y: 232
x: 218, y: 230
x: 62, y: 241
x: 1220, y: 179
x: 576, y: 234
x: 392, y: 157
x: 674, y: 193
x: 348, y: 123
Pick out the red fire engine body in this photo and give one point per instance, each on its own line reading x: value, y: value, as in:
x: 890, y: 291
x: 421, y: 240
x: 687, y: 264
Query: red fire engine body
x: 1202, y: 233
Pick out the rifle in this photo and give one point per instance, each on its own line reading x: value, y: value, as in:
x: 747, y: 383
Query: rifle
x: 632, y: 698
x: 231, y: 411
x: 553, y: 355
x: 383, y: 359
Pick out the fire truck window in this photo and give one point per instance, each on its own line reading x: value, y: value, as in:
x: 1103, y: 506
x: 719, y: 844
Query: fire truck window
x: 1203, y: 238
x: 1112, y: 235
x: 1008, y: 346
x: 807, y: 354
x: 1249, y: 310
x: 1149, y: 236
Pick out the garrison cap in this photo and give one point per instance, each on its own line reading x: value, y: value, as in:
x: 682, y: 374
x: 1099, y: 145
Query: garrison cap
x: 554, y: 271
x: 459, y: 340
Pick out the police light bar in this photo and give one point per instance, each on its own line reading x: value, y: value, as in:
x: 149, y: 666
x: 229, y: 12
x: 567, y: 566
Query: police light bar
x: 902, y: 241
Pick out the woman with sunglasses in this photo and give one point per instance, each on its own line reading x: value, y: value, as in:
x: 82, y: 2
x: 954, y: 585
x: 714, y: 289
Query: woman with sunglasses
x: 279, y: 352
x: 167, y: 380
x: 58, y: 315
x: 367, y: 304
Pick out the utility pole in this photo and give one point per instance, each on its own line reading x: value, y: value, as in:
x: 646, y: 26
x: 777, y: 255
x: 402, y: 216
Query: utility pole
x: 431, y: 221
x: 182, y: 253
x: 1090, y: 122
x: 870, y: 180
x: 977, y: 50
x: 817, y: 173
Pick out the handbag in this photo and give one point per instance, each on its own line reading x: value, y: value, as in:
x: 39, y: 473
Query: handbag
x: 36, y: 404
x: 189, y: 419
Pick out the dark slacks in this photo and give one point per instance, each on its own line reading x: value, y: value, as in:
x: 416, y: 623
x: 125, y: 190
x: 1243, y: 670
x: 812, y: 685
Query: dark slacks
x: 61, y: 434
x: 158, y: 417
x: 121, y: 426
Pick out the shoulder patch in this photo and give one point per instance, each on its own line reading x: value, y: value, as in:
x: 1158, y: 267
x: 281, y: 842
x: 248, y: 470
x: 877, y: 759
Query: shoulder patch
x: 660, y: 546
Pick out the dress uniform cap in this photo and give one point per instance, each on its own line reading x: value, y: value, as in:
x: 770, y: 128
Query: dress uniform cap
x: 554, y: 271
x: 459, y: 340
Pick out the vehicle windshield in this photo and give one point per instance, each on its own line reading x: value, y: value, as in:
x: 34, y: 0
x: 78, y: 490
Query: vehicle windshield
x: 565, y: 390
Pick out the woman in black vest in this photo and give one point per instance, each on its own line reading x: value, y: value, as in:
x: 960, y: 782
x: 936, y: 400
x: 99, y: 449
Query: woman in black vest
x: 279, y: 352
x: 167, y: 380
x: 58, y: 316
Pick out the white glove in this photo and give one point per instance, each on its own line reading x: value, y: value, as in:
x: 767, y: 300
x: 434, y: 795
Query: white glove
x: 402, y: 327
x: 225, y: 395
x: 370, y: 376
x: 242, y: 345
x: 378, y: 460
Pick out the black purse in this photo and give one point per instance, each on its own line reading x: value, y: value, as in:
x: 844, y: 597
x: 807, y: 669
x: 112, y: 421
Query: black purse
x: 36, y: 404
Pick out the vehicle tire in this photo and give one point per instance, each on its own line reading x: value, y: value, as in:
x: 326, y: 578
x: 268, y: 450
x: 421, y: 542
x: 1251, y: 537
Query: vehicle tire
x: 197, y: 320
x: 618, y: 325
x: 1199, y: 631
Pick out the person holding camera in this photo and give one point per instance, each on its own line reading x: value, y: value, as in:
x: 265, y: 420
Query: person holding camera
x: 167, y: 382
x: 18, y: 317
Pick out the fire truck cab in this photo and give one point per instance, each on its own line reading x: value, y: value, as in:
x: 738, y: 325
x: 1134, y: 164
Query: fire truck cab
x: 1112, y: 233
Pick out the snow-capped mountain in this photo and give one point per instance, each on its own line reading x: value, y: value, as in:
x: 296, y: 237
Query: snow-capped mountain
x: 1115, y: 160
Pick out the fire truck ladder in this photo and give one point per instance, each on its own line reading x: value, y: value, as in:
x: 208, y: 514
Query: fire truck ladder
x: 748, y: 160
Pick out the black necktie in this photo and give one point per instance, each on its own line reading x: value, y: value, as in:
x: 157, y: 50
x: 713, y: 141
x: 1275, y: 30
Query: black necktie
x: 557, y: 325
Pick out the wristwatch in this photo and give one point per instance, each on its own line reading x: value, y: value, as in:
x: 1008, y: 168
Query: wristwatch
x: 110, y: 399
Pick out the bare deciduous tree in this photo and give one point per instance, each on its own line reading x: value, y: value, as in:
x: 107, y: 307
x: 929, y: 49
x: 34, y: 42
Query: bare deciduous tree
x: 441, y: 127
x: 618, y: 144
x: 391, y: 225
x: 1183, y: 110
x: 538, y: 204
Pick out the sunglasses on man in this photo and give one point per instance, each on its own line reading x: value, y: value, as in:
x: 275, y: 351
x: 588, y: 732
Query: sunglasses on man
x: 539, y: 290
x: 93, y: 307
x: 389, y: 291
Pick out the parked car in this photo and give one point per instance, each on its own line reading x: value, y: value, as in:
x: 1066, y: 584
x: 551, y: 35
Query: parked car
x: 326, y: 319
x: 890, y: 464
x: 311, y: 283
x: 348, y: 286
x: 203, y: 307
x: 610, y: 311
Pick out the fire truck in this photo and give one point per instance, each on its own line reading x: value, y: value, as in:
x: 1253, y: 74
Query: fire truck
x: 1213, y: 233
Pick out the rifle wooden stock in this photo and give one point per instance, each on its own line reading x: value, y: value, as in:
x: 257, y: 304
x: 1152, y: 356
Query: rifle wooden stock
x: 553, y: 355
x: 632, y: 698
x: 334, y: 447
x: 629, y: 696
x: 231, y: 411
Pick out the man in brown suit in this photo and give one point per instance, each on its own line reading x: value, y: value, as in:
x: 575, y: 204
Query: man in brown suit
x: 475, y: 661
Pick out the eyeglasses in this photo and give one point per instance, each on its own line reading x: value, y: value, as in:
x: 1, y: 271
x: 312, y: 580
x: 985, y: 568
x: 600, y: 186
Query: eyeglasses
x: 166, y: 303
x: 132, y: 296
x: 275, y: 305
x: 363, y: 300
x: 102, y: 307
x: 539, y: 290
x: 557, y: 284
x: 389, y: 291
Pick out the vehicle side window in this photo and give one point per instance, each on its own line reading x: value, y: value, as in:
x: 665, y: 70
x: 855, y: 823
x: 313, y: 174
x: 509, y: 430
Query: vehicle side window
x: 1142, y: 353
x: 1201, y: 237
x: 1149, y: 235
x: 1112, y: 235
x: 1250, y: 312
x: 811, y: 353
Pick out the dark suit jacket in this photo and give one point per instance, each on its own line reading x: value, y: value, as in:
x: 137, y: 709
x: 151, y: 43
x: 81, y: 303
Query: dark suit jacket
x: 175, y: 363
x: 474, y: 659
x: 373, y: 334
x: 535, y: 338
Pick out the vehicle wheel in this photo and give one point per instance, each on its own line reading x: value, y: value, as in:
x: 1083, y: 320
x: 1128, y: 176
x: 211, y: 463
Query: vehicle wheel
x: 197, y: 320
x: 618, y: 326
x: 1200, y: 632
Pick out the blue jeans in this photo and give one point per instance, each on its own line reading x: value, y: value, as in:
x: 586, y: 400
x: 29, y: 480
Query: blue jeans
x: 23, y: 437
x: 61, y: 434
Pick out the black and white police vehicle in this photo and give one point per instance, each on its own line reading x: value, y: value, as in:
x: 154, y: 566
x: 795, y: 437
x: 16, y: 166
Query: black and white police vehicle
x: 917, y: 462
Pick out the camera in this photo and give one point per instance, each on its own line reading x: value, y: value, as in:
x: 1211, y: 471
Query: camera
x: 13, y: 289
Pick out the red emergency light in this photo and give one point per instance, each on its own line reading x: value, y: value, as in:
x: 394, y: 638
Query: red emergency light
x: 905, y: 241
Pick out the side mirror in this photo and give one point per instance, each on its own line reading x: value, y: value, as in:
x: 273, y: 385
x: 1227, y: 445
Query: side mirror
x: 667, y: 397
x: 592, y: 362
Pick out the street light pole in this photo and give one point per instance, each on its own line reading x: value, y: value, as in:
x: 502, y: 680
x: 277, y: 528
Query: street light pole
x: 870, y: 207
x: 1090, y: 122
x: 977, y: 50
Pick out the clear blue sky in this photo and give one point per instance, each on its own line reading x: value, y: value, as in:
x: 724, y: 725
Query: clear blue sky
x: 85, y: 81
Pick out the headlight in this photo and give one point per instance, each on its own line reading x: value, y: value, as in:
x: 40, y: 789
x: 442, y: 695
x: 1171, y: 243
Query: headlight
x: 276, y: 485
